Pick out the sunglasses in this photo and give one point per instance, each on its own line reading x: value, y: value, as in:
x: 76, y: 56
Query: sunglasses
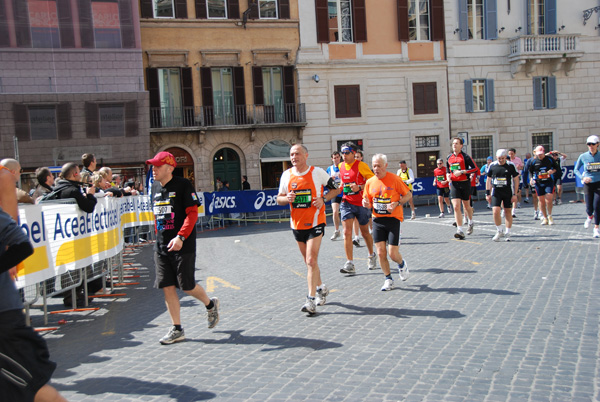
x: 346, y: 153
x: 592, y: 143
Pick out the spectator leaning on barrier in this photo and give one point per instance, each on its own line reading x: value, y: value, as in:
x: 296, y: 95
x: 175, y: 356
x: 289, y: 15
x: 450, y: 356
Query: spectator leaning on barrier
x: 14, y: 167
x: 175, y: 205
x: 101, y: 184
x: 89, y: 163
x: 68, y: 185
x: 45, y: 180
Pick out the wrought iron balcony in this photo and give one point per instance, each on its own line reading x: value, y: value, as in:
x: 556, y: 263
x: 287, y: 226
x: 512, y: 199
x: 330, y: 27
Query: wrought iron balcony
x: 561, y: 51
x: 291, y: 114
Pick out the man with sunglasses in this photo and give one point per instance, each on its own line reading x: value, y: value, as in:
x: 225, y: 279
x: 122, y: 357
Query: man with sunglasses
x: 353, y: 175
x: 590, y: 161
x: 500, y: 191
x: 442, y: 186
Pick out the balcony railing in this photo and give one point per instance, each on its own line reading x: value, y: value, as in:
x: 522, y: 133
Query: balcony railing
x: 561, y: 51
x: 240, y: 115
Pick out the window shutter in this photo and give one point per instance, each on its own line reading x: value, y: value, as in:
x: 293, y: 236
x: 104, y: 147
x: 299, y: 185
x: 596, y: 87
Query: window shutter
x: 187, y: 92
x: 233, y: 9
x: 284, y: 9
x: 4, y: 39
x: 489, y: 95
x: 65, y: 24
x: 131, y: 119
x: 21, y: 117
x: 419, y: 98
x: 207, y: 95
x: 86, y: 28
x: 154, y: 95
x: 322, y: 14
x: 403, y: 20
x: 340, y: 101
x: 463, y: 21
x: 146, y: 9
x: 126, y: 19
x: 22, y: 23
x: 181, y: 9
x: 239, y: 95
x: 437, y: 20
x: 92, y: 120
x: 537, y: 93
x: 550, y: 17
x: 431, y: 97
x: 253, y: 7
x: 469, y: 96
x: 201, y: 10
x: 491, y: 19
x: 528, y: 20
x: 353, y: 101
x: 259, y: 96
x: 359, y: 16
x: 289, y: 95
x: 63, y: 117
x: 551, y: 85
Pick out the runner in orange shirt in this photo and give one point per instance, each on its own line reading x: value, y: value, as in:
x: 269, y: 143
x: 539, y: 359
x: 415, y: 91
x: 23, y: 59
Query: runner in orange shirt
x: 302, y: 188
x: 386, y: 193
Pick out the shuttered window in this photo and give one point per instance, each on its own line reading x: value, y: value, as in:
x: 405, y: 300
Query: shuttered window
x: 341, y: 21
x: 347, y: 101
x: 478, y: 19
x: 4, y: 39
x: 42, y: 122
x: 105, y: 120
x: 163, y: 8
x: 425, y: 98
x: 541, y: 17
x: 479, y: 95
x: 420, y: 20
x: 544, y: 93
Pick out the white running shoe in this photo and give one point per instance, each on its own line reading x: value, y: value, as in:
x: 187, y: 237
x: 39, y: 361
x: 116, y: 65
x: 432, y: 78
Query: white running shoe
x: 310, y: 306
x: 544, y: 221
x: 413, y: 216
x: 498, y: 236
x: 587, y: 222
x: 387, y: 285
x: 550, y: 220
x: 372, y: 264
x: 449, y: 209
x: 502, y: 213
x: 321, y: 295
x: 348, y: 268
x: 536, y: 215
x: 403, y: 272
x: 336, y: 234
x: 172, y: 336
x: 470, y: 228
x: 441, y: 215
x: 356, y: 241
x: 596, y: 233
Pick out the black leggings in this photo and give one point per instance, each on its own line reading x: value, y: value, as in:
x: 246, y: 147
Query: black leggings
x: 592, y: 200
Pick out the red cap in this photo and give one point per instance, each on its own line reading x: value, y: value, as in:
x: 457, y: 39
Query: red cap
x: 162, y: 158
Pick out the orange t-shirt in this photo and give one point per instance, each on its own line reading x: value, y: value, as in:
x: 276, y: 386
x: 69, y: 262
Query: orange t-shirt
x: 382, y: 192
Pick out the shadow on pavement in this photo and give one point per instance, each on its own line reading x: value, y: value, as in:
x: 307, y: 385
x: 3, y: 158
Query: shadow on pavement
x: 131, y: 386
x: 453, y: 291
x: 278, y: 342
x: 395, y: 312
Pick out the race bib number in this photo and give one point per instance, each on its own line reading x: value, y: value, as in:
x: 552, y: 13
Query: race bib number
x: 348, y: 188
x: 441, y: 178
x: 500, y: 182
x: 592, y: 167
x: 380, y: 205
x: 455, y: 166
x: 543, y: 176
x: 303, y: 199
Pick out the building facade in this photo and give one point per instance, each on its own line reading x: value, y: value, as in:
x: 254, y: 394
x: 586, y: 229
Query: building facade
x: 71, y: 82
x: 374, y: 72
x: 221, y: 78
x: 523, y: 73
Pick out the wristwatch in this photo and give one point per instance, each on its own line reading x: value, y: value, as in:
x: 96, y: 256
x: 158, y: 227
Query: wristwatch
x: 182, y: 238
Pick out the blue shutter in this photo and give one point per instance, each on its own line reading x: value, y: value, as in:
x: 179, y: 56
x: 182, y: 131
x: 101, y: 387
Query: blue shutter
x: 537, y: 93
x: 468, y: 96
x: 527, y: 27
x: 489, y: 96
x: 463, y: 20
x: 550, y: 17
x: 551, y: 85
x: 491, y: 19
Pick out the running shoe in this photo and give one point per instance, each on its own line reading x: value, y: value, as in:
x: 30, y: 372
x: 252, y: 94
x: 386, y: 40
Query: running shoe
x: 322, y: 295
x: 348, y: 268
x: 550, y: 220
x: 403, y: 272
x: 441, y: 215
x: 502, y: 213
x: 559, y: 202
x: 454, y: 223
x: 470, y: 228
x: 309, y: 307
x: 514, y: 215
x: 449, y: 209
x: 372, y: 264
x: 596, y: 233
x: 544, y: 221
x: 526, y: 200
x: 213, y: 313
x: 356, y: 242
x: 587, y: 222
x: 507, y: 236
x: 336, y: 234
x: 498, y: 236
x: 412, y: 216
x: 387, y: 285
x: 174, y: 335
x: 536, y: 215
x: 518, y: 205
x: 489, y: 206
x: 459, y: 235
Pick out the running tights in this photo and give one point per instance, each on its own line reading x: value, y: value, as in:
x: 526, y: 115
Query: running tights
x: 592, y: 200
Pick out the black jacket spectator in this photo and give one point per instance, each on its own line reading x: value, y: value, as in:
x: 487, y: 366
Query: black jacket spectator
x: 72, y: 189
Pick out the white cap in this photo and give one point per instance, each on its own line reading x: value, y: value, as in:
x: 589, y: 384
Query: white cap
x: 592, y: 139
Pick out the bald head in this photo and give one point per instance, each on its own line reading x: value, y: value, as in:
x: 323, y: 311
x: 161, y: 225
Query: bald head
x: 13, y: 166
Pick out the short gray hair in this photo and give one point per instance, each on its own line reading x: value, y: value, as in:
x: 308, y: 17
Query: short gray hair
x: 380, y: 157
x: 501, y: 152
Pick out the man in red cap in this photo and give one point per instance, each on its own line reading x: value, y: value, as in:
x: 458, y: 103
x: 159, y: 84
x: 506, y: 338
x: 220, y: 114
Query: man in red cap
x: 175, y: 206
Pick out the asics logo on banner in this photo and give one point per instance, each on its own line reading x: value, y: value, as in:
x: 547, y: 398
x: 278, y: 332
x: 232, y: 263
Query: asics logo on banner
x: 262, y: 197
x: 221, y: 202
x: 417, y: 186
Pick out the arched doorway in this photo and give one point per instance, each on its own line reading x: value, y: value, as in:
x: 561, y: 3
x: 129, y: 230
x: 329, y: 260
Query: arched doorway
x: 185, y: 164
x: 274, y: 159
x: 226, y: 165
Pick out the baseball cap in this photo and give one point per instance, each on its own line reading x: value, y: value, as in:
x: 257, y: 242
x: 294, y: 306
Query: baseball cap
x: 539, y: 150
x: 489, y: 158
x: 162, y: 158
x: 592, y: 139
